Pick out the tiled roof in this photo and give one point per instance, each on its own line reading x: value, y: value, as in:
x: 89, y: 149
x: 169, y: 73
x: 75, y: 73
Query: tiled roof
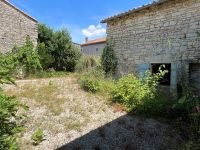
x: 137, y: 9
x: 96, y: 41
x: 22, y: 12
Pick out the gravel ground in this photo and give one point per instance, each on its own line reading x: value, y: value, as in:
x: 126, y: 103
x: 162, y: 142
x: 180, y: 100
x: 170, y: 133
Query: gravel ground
x: 73, y: 119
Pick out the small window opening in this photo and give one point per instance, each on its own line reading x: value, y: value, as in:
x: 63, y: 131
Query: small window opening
x: 97, y: 49
x: 167, y: 77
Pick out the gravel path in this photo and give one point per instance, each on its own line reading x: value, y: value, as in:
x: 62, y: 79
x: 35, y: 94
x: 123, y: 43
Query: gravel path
x: 73, y: 119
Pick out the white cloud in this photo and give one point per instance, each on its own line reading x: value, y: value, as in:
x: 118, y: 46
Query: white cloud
x: 93, y: 31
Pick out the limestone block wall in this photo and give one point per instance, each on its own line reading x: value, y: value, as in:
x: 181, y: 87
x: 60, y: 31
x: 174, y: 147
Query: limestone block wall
x: 94, y: 49
x: 166, y: 33
x: 14, y: 27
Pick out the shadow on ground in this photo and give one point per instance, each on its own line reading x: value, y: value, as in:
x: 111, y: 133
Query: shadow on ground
x: 128, y: 133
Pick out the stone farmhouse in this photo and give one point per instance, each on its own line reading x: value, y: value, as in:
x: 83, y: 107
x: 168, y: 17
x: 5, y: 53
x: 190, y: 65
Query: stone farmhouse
x: 15, y: 26
x: 93, y: 47
x: 163, y: 32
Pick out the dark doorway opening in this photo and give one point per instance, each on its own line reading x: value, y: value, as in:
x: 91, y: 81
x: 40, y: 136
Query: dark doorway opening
x: 194, y: 77
x: 167, y: 77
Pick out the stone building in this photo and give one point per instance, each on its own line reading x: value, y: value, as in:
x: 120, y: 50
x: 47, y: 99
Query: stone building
x: 76, y: 45
x: 93, y: 47
x: 15, y: 26
x: 163, y: 32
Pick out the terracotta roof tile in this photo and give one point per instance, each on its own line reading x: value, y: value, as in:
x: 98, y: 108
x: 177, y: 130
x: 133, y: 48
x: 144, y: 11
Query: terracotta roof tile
x: 96, y: 41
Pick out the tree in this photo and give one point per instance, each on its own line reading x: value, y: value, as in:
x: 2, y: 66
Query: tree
x: 109, y: 60
x: 45, y: 35
x: 46, y: 59
x: 45, y: 46
x: 56, y: 50
x: 66, y: 56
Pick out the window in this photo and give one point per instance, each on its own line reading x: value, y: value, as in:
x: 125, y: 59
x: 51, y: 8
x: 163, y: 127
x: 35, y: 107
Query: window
x: 97, y: 49
x: 167, y: 78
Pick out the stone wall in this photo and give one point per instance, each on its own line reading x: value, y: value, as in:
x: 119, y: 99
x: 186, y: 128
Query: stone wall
x: 165, y: 33
x: 14, y: 27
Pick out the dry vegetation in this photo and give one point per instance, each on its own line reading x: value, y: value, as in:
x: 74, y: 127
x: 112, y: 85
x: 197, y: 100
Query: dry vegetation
x: 65, y: 112
x: 58, y: 106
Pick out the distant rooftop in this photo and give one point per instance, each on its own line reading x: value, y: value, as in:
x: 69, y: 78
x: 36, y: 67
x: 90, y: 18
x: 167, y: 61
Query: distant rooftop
x: 137, y: 9
x: 96, y: 41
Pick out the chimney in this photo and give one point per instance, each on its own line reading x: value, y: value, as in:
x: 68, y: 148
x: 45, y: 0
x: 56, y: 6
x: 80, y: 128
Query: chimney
x: 86, y: 39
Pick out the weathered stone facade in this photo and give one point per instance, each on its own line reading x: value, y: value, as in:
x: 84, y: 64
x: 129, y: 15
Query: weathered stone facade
x: 168, y: 32
x: 15, y: 26
x: 94, y: 49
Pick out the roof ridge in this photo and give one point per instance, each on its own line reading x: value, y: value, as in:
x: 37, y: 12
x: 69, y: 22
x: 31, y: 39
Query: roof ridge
x: 153, y: 3
x: 19, y: 10
x: 95, y: 41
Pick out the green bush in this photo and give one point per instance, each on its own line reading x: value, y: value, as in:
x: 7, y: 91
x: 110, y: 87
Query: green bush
x: 140, y: 95
x: 109, y: 60
x: 131, y: 92
x: 187, y: 110
x: 46, y: 59
x: 37, y: 137
x: 92, y: 80
x: 10, y: 120
x: 89, y: 84
x: 21, y: 61
x: 6, y: 66
x: 87, y: 63
x: 56, y: 49
x: 9, y: 125
x: 26, y: 57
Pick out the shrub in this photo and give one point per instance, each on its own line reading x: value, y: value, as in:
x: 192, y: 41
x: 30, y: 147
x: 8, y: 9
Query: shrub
x: 89, y: 84
x: 10, y: 120
x: 139, y: 95
x: 57, y: 49
x: 187, y: 110
x: 27, y: 57
x: 9, y: 125
x: 92, y: 80
x: 46, y: 59
x: 21, y: 61
x: 6, y: 66
x: 37, y: 137
x: 130, y: 91
x: 109, y: 60
x: 87, y: 63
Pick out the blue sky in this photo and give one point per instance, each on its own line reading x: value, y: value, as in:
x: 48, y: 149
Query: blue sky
x: 81, y: 17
